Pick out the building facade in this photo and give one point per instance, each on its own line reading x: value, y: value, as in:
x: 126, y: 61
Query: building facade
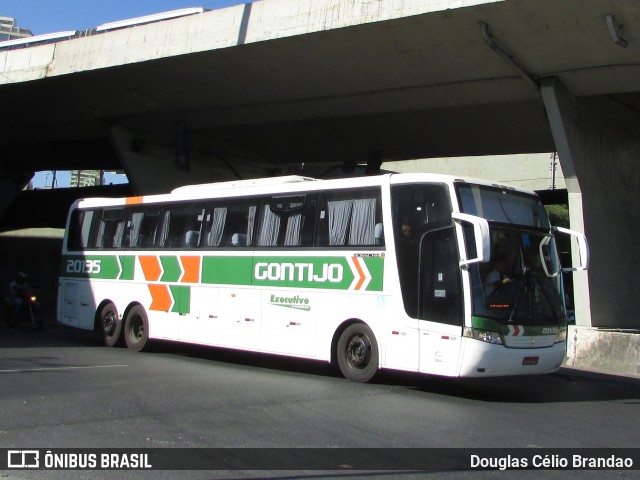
x: 9, y: 29
x: 85, y: 178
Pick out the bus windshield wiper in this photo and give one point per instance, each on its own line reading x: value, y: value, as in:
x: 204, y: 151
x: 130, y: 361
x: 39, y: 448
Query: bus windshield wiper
x: 526, y: 277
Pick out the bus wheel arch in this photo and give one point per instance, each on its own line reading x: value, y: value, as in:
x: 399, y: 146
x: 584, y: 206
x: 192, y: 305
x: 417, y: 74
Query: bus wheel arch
x: 136, y: 327
x: 355, y: 350
x: 108, y: 324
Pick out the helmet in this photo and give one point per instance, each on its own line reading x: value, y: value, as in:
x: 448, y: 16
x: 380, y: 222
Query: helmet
x: 21, y: 276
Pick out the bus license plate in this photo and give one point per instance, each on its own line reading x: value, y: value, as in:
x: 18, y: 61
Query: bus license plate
x: 530, y: 360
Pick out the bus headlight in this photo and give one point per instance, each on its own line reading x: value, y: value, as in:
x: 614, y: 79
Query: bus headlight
x: 483, y: 335
x: 561, y: 336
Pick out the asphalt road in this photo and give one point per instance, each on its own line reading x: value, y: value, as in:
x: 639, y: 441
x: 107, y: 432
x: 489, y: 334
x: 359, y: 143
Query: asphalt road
x: 60, y: 389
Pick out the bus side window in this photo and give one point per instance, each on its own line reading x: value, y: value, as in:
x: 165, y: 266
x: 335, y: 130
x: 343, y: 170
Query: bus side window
x: 287, y: 221
x: 350, y: 220
x: 269, y: 227
x: 181, y: 226
x: 80, y: 229
x: 110, y: 228
x: 239, y: 223
x: 215, y: 225
x: 143, y: 225
x: 307, y: 222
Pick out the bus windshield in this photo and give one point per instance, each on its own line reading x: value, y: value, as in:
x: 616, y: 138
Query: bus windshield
x: 502, y: 205
x: 521, y: 283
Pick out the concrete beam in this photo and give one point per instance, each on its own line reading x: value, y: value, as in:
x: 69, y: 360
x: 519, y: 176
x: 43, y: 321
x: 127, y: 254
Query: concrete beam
x: 158, y: 168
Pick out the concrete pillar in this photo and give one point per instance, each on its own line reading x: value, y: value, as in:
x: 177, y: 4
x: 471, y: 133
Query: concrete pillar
x: 598, y: 144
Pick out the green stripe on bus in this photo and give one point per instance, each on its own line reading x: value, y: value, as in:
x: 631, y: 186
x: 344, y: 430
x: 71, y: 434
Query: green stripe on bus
x: 334, y: 273
x: 376, y: 268
x: 226, y: 270
x: 127, y: 263
x: 361, y: 273
x: 181, y: 299
x: 171, y: 269
x: 92, y: 266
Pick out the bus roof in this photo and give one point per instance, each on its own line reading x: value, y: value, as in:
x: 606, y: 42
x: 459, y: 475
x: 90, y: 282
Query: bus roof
x: 253, y: 182
x: 289, y: 183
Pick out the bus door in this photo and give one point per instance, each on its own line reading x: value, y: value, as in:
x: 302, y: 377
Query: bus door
x: 440, y: 302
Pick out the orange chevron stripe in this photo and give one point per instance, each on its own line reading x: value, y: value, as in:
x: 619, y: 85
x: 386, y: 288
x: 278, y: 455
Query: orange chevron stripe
x: 191, y: 268
x: 133, y: 200
x: 363, y: 277
x: 150, y: 267
x: 161, y: 298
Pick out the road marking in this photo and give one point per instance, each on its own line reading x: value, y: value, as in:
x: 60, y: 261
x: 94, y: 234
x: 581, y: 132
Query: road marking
x: 60, y: 369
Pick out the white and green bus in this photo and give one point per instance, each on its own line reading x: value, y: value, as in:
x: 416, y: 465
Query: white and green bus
x: 412, y: 272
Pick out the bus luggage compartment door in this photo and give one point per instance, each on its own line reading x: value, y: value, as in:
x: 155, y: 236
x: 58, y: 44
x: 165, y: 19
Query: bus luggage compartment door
x: 70, y: 304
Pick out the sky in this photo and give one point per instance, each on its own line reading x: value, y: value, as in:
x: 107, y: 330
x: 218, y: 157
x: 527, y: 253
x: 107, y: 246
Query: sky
x: 50, y: 16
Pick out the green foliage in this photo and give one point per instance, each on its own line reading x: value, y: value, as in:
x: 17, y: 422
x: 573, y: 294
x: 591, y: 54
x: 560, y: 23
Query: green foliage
x: 558, y: 215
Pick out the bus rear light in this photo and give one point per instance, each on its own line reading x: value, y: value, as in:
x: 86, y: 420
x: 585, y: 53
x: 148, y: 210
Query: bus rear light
x: 483, y: 335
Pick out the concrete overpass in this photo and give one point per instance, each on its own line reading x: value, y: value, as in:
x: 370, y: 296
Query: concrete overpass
x: 260, y: 88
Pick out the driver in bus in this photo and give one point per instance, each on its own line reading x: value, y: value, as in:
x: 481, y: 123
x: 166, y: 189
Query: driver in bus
x: 497, y: 277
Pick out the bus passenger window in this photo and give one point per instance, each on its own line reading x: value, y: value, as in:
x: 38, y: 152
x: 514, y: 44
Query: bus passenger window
x: 215, y: 226
x: 181, y: 226
x: 142, y: 228
x: 269, y: 228
x: 225, y: 223
x: 110, y: 228
x: 287, y: 221
x: 351, y: 221
x: 80, y: 229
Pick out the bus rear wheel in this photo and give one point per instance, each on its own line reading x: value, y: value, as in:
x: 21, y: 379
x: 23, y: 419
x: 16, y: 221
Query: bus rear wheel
x: 136, y: 328
x: 357, y: 353
x: 109, y: 325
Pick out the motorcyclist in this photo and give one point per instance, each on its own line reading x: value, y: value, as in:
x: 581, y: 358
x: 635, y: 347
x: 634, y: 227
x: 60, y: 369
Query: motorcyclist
x: 18, y: 292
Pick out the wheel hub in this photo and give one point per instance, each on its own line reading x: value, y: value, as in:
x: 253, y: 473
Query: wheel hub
x: 359, y: 351
x: 109, y: 324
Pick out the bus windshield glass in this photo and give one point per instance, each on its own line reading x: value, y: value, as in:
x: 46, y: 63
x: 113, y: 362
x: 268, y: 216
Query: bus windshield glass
x: 521, y: 284
x: 502, y: 206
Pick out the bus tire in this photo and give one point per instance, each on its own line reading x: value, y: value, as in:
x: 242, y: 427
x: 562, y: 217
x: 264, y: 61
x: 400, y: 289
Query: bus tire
x: 136, y: 328
x: 357, y: 353
x: 109, y: 325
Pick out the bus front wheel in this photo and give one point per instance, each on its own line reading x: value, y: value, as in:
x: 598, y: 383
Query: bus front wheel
x: 109, y: 325
x: 357, y: 353
x: 136, y: 328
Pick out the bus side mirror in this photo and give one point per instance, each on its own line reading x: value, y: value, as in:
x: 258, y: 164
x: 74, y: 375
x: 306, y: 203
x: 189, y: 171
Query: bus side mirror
x: 480, y: 234
x: 583, y: 248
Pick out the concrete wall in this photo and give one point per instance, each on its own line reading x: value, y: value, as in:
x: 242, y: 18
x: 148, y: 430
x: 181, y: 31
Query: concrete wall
x: 530, y: 171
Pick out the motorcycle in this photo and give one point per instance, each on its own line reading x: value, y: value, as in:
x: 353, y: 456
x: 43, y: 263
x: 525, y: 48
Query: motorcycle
x: 31, y: 312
